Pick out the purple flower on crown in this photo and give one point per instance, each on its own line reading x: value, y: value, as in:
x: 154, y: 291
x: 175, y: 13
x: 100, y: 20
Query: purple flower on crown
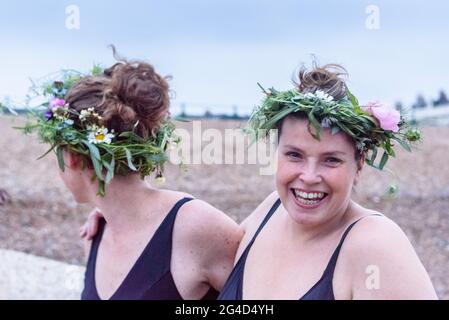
x: 56, y: 103
x: 48, y: 115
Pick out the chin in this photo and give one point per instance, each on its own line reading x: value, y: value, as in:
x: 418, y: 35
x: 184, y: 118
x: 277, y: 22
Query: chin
x: 303, y: 214
x: 304, y: 218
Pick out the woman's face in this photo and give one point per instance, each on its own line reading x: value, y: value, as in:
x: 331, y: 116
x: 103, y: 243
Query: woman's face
x: 314, y: 178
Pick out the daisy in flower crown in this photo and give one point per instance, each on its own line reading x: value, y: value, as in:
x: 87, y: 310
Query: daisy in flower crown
x: 115, y: 132
x: 109, y: 129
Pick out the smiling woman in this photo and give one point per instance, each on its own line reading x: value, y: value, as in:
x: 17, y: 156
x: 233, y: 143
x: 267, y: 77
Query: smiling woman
x: 315, y: 242
x: 314, y: 174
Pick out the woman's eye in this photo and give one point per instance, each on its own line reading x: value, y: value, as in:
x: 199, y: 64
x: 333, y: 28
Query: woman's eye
x: 333, y: 161
x: 294, y: 155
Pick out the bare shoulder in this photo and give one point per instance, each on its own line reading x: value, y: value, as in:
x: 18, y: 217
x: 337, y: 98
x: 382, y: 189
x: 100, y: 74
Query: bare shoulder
x: 199, y: 221
x: 174, y: 195
x: 203, y: 222
x: 374, y: 231
x: 377, y: 233
x: 378, y: 246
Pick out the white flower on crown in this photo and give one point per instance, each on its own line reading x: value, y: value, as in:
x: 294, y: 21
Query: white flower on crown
x: 85, y: 113
x: 100, y: 135
x: 324, y: 96
x: 319, y: 95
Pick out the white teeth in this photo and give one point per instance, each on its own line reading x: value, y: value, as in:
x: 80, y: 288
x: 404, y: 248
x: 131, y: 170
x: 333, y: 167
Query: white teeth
x: 308, y: 202
x: 313, y: 196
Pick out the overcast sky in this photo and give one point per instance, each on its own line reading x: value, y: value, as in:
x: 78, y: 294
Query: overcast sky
x: 217, y: 51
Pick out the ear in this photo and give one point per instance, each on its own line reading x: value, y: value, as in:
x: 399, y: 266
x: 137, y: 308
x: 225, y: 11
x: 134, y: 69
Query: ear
x: 360, y: 164
x: 72, y: 160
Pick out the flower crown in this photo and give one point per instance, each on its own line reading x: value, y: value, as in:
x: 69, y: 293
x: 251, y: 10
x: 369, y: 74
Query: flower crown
x: 80, y: 132
x: 372, y: 126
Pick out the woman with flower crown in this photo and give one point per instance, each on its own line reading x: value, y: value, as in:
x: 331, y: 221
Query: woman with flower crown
x: 308, y: 239
x: 109, y: 130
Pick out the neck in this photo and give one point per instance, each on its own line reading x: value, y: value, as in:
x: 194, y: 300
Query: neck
x: 311, y: 232
x: 124, y: 204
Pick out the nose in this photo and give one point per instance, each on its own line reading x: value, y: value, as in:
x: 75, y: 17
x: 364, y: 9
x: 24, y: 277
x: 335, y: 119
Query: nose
x: 309, y: 174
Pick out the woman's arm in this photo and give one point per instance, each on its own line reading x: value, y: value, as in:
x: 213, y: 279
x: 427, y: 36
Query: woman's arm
x: 214, y: 237
x: 383, y: 264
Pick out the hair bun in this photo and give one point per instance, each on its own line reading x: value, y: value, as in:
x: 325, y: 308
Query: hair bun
x: 325, y: 78
x: 135, y: 92
x: 127, y: 93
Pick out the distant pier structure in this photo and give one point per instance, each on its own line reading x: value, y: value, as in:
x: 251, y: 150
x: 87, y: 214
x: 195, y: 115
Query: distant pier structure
x: 435, y: 112
x: 424, y: 112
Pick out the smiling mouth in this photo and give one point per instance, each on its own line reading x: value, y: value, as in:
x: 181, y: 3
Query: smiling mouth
x: 308, y: 198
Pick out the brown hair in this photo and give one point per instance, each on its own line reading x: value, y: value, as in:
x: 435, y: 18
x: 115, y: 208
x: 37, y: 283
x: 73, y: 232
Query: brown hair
x: 328, y: 79
x: 126, y: 94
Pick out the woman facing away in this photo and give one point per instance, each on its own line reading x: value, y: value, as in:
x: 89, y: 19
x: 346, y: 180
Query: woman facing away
x: 152, y: 243
x: 309, y: 239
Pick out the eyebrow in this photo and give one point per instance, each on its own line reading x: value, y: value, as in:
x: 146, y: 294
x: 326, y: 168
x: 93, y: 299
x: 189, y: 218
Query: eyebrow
x: 328, y: 153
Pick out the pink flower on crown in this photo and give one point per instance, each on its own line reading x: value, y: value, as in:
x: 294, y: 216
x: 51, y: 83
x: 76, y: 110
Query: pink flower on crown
x: 56, y: 102
x: 387, y: 116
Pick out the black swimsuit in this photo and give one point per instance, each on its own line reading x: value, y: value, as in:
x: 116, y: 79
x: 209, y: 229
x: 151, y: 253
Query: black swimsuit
x: 322, y: 290
x: 150, y: 278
